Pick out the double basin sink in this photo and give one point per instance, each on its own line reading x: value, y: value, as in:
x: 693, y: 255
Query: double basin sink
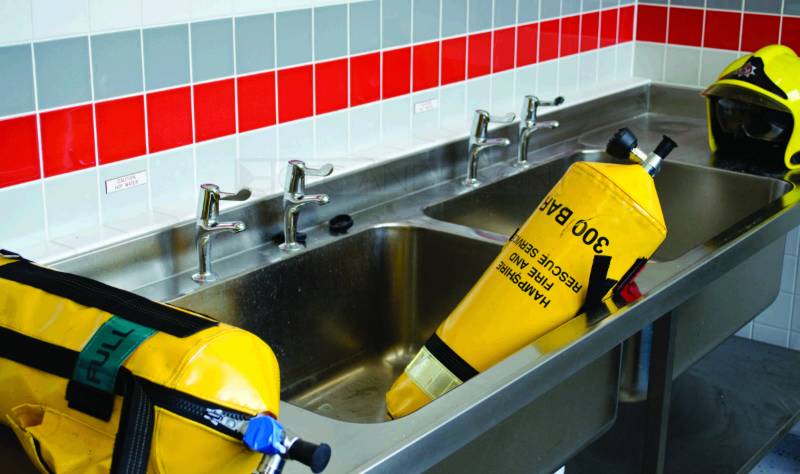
x: 347, y: 314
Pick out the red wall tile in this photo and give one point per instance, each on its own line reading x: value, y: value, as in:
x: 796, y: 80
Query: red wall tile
x: 722, y: 29
x: 454, y: 60
x: 426, y: 66
x: 503, y: 52
x: 396, y: 72
x: 570, y: 35
x: 256, y: 101
x: 626, y: 15
x: 791, y: 33
x: 590, y: 31
x: 19, y: 151
x: 608, y: 27
x: 331, y: 85
x: 365, y: 78
x: 120, y: 129
x: 480, y: 54
x: 67, y: 140
x: 295, y: 93
x: 169, y: 119
x: 527, y: 43
x: 759, y: 31
x: 214, y: 110
x: 651, y: 24
x: 685, y: 26
x: 548, y: 40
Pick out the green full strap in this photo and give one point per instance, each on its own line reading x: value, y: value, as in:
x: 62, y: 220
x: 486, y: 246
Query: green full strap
x: 109, y: 348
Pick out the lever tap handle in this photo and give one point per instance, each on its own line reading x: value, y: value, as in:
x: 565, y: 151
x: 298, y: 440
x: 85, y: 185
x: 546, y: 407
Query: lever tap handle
x: 531, y: 104
x: 212, y: 189
x: 481, y: 120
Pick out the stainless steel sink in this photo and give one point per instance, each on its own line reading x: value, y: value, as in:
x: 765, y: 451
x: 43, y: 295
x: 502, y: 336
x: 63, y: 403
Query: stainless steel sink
x: 344, y: 319
x: 698, y: 203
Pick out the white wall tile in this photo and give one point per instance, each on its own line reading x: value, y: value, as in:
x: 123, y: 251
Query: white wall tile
x: 587, y: 70
x: 525, y: 84
x: 216, y: 163
x: 682, y: 66
x: 453, y: 107
x: 625, y: 59
x: 211, y: 8
x: 330, y: 136
x: 15, y: 21
x: 503, y: 93
x: 713, y: 62
x: 396, y: 121
x: 296, y: 140
x: 547, y: 82
x: 649, y: 61
x: 779, y: 313
x: 607, y: 65
x: 792, y: 240
x: 157, y: 12
x: 26, y: 215
x: 770, y: 335
x: 568, y: 75
x: 128, y: 204
x: 788, y: 274
x: 258, y: 161
x: 172, y: 187
x: 72, y: 203
x: 106, y: 15
x: 365, y: 126
x: 54, y: 18
x: 425, y: 123
x: 478, y: 95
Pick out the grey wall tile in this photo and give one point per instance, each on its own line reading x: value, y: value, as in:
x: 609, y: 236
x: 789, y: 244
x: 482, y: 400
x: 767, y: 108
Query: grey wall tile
x: 16, y: 80
x: 365, y: 26
x: 570, y: 7
x: 688, y: 3
x: 294, y: 37
x: 791, y: 7
x: 480, y: 15
x: 212, y: 49
x: 626, y: 2
x: 609, y: 3
x: 763, y: 6
x: 62, y: 72
x: 590, y: 5
x: 454, y: 17
x: 551, y: 9
x: 528, y: 11
x: 330, y: 32
x: 652, y: 2
x: 735, y: 5
x: 116, y: 64
x: 426, y: 20
x: 505, y: 12
x: 166, y: 56
x: 255, y: 43
x: 396, y: 22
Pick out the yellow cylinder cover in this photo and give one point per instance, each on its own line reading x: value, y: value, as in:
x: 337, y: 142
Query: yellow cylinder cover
x: 597, y: 223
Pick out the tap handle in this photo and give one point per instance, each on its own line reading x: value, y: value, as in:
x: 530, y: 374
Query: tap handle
x: 301, y: 167
x: 531, y: 104
x: 210, y: 189
x: 482, y: 118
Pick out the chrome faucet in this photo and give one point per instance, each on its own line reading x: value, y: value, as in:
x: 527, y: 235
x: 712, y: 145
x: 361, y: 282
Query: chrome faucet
x: 529, y: 123
x: 479, y: 142
x: 208, y: 225
x: 295, y: 197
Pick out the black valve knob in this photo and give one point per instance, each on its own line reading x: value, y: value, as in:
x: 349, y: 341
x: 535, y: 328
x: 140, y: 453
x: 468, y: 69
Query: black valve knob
x: 315, y: 456
x: 622, y: 143
x: 665, y: 147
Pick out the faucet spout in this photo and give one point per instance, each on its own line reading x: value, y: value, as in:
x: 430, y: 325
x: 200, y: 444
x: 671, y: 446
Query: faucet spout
x: 530, y: 124
x: 478, y: 142
x: 208, y: 225
x: 294, y: 198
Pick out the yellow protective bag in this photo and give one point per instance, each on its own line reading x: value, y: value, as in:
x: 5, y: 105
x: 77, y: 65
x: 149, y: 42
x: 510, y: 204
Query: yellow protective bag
x: 593, y: 232
x: 94, y: 379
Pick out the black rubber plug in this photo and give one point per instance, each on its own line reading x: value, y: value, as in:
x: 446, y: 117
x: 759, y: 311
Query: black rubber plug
x: 340, y: 224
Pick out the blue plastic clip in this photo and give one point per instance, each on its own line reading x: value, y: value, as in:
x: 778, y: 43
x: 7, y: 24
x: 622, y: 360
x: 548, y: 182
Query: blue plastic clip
x: 265, y: 435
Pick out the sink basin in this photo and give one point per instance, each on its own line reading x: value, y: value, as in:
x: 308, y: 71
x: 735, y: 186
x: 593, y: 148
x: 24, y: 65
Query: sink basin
x: 344, y: 319
x: 698, y: 203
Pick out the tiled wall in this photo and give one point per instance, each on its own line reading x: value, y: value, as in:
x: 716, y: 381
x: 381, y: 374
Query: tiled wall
x: 191, y: 91
x: 690, y: 41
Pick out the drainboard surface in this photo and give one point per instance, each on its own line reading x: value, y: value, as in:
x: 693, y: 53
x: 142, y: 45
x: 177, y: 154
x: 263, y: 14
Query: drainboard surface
x: 698, y: 203
x: 344, y: 319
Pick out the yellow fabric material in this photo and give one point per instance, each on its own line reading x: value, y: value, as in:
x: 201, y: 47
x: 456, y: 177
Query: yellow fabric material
x: 500, y: 314
x: 782, y: 66
x: 222, y: 364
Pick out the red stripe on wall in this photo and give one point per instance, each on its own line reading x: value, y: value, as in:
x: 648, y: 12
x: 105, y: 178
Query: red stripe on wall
x: 256, y: 101
x: 67, y: 140
x: 169, y: 118
x: 120, y: 129
x: 19, y: 151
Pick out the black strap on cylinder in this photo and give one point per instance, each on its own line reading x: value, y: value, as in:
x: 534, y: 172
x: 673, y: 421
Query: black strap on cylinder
x: 450, y: 358
x: 135, y: 433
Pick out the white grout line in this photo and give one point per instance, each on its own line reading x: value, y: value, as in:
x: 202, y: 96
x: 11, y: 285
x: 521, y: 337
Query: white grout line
x: 237, y: 159
x: 39, y: 144
x: 191, y: 108
x: 94, y: 128
x: 146, y: 127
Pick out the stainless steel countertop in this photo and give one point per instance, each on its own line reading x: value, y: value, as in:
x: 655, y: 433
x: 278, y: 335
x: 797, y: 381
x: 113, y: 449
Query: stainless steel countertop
x: 159, y: 266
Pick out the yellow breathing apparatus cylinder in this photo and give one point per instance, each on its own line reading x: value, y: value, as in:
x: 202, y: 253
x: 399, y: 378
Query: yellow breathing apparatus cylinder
x: 591, y: 233
x: 95, y: 379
